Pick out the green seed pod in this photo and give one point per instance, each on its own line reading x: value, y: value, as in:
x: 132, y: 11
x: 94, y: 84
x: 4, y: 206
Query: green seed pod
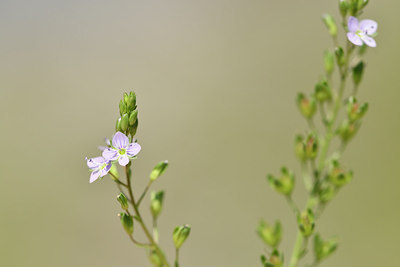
x: 127, y: 222
x: 337, y: 175
x: 327, y: 193
x: 284, y: 184
x: 307, y: 106
x: 323, y: 249
x: 156, y: 201
x: 339, y: 52
x: 300, y: 148
x: 323, y: 91
x: 274, y: 260
x: 271, y: 235
x: 158, y: 170
x: 306, y: 222
x: 355, y: 111
x: 330, y: 24
x: 311, y: 146
x: 358, y: 71
x: 329, y: 62
x: 348, y: 130
x: 124, y: 122
x: 180, y: 235
x: 155, y: 259
x: 123, y: 201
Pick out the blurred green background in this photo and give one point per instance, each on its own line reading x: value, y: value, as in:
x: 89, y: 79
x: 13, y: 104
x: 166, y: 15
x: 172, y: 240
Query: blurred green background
x: 215, y: 82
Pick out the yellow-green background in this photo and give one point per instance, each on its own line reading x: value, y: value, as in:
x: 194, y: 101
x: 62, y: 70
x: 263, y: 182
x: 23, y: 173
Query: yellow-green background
x: 215, y: 83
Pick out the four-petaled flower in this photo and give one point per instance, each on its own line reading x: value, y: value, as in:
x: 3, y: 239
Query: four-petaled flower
x: 121, y: 149
x: 99, y: 167
x: 360, y: 32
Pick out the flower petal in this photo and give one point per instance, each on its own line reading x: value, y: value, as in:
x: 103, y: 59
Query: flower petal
x: 94, y: 163
x: 133, y: 149
x: 94, y: 176
x: 123, y: 160
x: 105, y: 170
x: 110, y: 154
x: 368, y: 26
x: 369, y: 41
x: 352, y: 24
x: 120, y: 141
x: 354, y: 38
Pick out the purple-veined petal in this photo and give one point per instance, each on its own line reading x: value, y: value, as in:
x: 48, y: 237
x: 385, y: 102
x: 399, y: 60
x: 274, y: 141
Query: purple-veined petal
x: 108, y: 142
x: 94, y: 163
x: 94, y: 176
x: 110, y: 154
x: 102, y: 148
x: 354, y: 38
x: 105, y: 170
x: 120, y: 141
x: 133, y: 149
x: 123, y: 160
x: 352, y: 24
x: 369, y: 41
x: 368, y: 26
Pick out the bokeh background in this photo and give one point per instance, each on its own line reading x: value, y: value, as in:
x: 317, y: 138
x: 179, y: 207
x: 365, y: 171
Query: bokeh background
x: 215, y: 82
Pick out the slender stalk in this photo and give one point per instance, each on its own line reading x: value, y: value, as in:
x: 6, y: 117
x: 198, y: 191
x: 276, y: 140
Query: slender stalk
x: 297, y: 249
x: 142, y: 224
x: 144, y: 193
x: 292, y: 204
x: 177, y: 257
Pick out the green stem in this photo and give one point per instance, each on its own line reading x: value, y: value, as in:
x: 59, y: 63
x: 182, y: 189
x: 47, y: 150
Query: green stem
x: 177, y: 257
x: 144, y: 193
x: 297, y: 249
x: 137, y: 212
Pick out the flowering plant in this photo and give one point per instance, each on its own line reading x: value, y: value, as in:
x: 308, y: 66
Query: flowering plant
x: 322, y: 172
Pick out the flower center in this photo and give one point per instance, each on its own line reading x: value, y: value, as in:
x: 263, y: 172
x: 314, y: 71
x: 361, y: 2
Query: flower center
x: 122, y: 151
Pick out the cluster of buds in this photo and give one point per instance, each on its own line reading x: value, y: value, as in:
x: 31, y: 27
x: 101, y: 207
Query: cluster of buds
x: 271, y: 235
x: 128, y: 121
x: 352, y: 7
x: 284, y: 184
x: 274, y: 260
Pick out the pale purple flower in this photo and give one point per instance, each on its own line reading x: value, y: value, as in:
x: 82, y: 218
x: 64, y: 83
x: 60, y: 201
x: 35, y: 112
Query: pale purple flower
x: 121, y: 149
x: 99, y: 167
x: 360, y: 32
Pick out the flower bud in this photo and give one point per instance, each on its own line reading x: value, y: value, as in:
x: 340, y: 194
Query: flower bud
x: 131, y: 101
x: 127, y: 222
x: 155, y: 259
x: 337, y: 175
x: 341, y: 59
x: 118, y: 125
x: 348, y: 130
x: 355, y: 111
x: 122, y: 108
x: 323, y: 249
x: 126, y: 99
x: 311, y: 146
x: 329, y: 62
x: 133, y: 117
x: 133, y: 129
x: 158, y: 170
x: 362, y: 3
x: 180, y: 234
x: 322, y: 91
x: 156, y: 202
x: 306, y: 105
x: 330, y: 24
x: 114, y: 172
x: 124, y: 122
x: 123, y: 201
x: 271, y: 235
x: 284, y: 184
x: 306, y: 222
x: 275, y: 260
x: 344, y: 7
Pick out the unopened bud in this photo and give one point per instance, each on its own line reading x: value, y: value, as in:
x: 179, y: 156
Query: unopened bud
x: 271, y: 235
x: 158, y: 170
x: 180, y: 235
x: 133, y: 117
x: 123, y: 201
x: 127, y: 222
x: 306, y: 222
x: 156, y: 199
x: 118, y: 125
x: 155, y: 259
x: 124, y: 122
x: 330, y: 24
x: 300, y: 148
x: 344, y: 7
x: 122, y: 107
x: 358, y: 72
x: 341, y: 59
x: 114, y: 172
x: 284, y: 184
x: 306, y: 105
